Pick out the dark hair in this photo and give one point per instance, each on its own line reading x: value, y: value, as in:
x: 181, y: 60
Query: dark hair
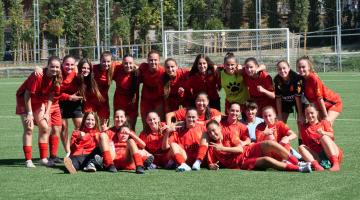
x: 88, y: 82
x: 82, y: 125
x: 56, y: 80
x: 251, y: 105
x: 167, y: 79
x: 251, y: 59
x: 126, y: 123
x: 230, y: 55
x: 194, y: 69
x: 110, y: 70
x: 212, y: 122
x: 207, y: 110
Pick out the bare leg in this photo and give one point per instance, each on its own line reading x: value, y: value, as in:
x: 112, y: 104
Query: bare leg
x: 285, y: 117
x: 329, y: 146
x: 332, y: 115
x: 65, y: 136
x: 176, y: 149
x: 268, y: 162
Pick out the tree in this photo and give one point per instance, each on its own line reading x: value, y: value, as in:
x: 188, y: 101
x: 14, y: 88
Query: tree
x: 214, y: 24
x: 2, y: 31
x: 236, y: 14
x: 16, y: 22
x: 273, y: 16
x: 148, y: 16
x: 299, y: 17
x: 56, y: 28
x: 120, y: 29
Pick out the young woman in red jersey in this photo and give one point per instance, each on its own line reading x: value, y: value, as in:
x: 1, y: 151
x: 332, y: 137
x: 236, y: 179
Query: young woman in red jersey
x: 174, y: 86
x: 103, y: 73
x: 203, y: 77
x: 202, y: 107
x: 126, y: 96
x: 151, y: 75
x: 33, y: 103
x: 153, y: 136
x: 229, y: 152
x: 83, y: 142
x: 327, y: 102
x: 233, y: 132
x: 185, y: 142
x: 259, y: 83
x: 122, y: 148
x: 318, y: 142
x: 273, y: 129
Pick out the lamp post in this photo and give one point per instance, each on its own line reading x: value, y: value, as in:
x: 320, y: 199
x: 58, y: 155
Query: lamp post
x: 162, y: 27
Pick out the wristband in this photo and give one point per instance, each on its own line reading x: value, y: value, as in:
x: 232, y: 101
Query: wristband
x: 30, y: 113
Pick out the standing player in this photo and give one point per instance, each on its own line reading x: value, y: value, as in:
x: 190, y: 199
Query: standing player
x: 33, y: 103
x: 174, y: 86
x: 259, y: 83
x: 152, y: 93
x: 328, y: 102
x: 185, y: 142
x: 103, y: 76
x: 288, y: 91
x: 126, y: 96
x: 202, y: 107
x: 233, y: 83
x: 319, y: 145
x: 203, y: 77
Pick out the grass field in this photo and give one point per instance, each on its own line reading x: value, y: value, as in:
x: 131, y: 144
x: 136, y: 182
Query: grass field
x: 18, y: 182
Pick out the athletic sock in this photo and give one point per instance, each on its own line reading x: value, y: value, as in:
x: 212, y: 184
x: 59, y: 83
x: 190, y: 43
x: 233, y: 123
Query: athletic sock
x: 138, y: 159
x: 54, y: 145
x: 335, y: 163
x: 43, y: 148
x: 107, y: 160
x: 293, y: 159
x: 317, y: 166
x: 27, y: 152
x: 291, y: 167
x: 179, y: 159
x: 202, y: 152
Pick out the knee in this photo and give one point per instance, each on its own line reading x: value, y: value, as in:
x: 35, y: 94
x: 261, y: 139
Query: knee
x: 103, y: 137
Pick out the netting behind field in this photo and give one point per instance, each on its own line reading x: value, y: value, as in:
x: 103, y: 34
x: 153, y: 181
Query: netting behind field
x: 267, y: 45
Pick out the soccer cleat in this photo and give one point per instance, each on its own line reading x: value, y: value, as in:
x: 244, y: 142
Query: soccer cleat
x: 305, y: 169
x: 196, y: 165
x: 56, y: 160
x: 183, y: 168
x: 148, y: 163
x: 98, y: 161
x: 302, y: 164
x: 47, y: 163
x: 140, y: 170
x: 111, y: 168
x: 90, y: 168
x: 29, y: 164
x: 69, y: 166
x: 170, y: 165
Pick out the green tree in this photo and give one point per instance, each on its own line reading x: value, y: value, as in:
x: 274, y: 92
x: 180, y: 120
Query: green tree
x: 2, y: 31
x: 16, y: 23
x: 270, y: 8
x: 299, y: 17
x: 214, y: 24
x: 120, y: 29
x: 55, y: 27
x: 147, y: 17
x: 236, y: 14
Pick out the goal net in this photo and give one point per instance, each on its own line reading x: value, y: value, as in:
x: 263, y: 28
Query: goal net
x: 267, y: 45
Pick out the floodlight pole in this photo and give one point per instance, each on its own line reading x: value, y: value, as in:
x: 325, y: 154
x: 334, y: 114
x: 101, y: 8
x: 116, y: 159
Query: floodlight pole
x: 36, y: 31
x: 258, y: 26
x: 97, y: 31
x: 162, y: 28
x: 338, y: 34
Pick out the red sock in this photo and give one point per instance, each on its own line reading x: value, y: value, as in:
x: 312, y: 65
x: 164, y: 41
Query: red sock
x: 138, y: 159
x: 54, y: 145
x: 317, y: 166
x: 179, y: 159
x: 27, y: 152
x: 43, y: 148
x: 335, y: 163
x: 107, y: 159
x: 293, y: 159
x: 291, y: 167
x: 202, y: 152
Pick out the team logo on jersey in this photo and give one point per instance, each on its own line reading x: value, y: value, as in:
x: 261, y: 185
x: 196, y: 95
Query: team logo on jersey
x: 234, y: 87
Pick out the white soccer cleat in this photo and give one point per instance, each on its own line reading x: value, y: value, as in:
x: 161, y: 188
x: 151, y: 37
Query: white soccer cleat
x: 196, y: 165
x: 90, y: 168
x: 183, y: 168
x: 29, y: 164
x: 305, y: 169
x: 47, y: 163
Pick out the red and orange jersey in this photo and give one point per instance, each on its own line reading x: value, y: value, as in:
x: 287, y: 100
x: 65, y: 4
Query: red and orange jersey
x: 263, y: 79
x: 311, y: 138
x: 314, y: 89
x: 153, y: 141
x: 209, y: 83
x: 69, y: 86
x: 153, y: 87
x: 174, y: 100
x: 181, y: 114
x: 83, y: 145
x: 280, y: 130
x: 233, y: 132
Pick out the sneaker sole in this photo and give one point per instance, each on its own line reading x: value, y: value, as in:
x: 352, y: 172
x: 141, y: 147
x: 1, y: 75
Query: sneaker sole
x: 69, y: 166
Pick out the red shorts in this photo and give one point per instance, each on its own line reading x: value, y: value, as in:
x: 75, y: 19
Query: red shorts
x: 20, y: 105
x: 251, y: 153
x: 162, y: 159
x: 55, y: 115
x: 121, y: 160
x: 101, y: 108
